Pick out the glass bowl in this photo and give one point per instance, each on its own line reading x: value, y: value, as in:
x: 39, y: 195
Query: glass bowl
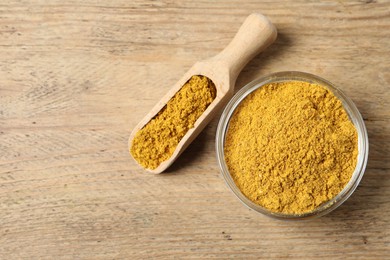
x: 349, y: 107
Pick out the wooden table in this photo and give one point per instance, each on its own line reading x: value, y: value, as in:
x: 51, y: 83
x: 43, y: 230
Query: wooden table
x: 77, y: 76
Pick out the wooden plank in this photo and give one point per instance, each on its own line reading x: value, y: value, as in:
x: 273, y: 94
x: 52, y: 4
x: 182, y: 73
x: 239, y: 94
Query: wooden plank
x: 75, y: 78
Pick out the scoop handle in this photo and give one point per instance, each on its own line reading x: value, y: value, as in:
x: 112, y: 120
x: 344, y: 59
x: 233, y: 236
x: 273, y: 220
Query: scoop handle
x: 255, y: 34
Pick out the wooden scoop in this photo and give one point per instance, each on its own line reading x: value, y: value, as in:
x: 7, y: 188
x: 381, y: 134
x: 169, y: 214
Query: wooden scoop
x: 256, y: 33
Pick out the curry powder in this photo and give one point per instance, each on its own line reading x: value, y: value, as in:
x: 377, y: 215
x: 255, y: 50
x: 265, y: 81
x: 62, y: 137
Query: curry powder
x: 158, y: 139
x: 290, y: 147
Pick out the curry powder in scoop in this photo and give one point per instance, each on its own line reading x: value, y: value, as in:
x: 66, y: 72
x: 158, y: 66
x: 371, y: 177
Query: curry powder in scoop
x: 290, y: 147
x: 158, y: 139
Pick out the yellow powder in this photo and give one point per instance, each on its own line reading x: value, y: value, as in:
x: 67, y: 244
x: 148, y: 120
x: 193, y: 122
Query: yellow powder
x: 159, y: 138
x: 291, y: 147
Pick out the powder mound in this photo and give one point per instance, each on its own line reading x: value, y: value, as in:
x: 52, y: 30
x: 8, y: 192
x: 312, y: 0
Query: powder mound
x: 158, y: 139
x: 291, y: 147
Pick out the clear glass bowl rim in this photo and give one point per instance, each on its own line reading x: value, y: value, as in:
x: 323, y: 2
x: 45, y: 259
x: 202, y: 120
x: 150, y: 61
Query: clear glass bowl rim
x: 353, y: 114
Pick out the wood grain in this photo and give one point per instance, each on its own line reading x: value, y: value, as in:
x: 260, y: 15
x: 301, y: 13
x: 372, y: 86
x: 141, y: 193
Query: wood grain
x: 76, y: 77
